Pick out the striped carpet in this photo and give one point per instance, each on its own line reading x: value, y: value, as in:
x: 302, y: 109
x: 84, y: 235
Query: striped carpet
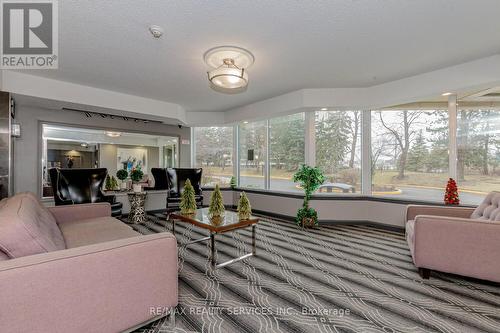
x: 333, y: 279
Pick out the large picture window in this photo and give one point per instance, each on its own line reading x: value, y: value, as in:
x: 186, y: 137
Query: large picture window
x: 286, y: 150
x: 252, y: 151
x: 478, y: 136
x: 214, y: 153
x: 410, y: 153
x: 338, y: 150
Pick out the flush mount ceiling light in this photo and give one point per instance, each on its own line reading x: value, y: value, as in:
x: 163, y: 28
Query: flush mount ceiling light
x: 113, y: 134
x: 229, y: 68
x: 447, y: 94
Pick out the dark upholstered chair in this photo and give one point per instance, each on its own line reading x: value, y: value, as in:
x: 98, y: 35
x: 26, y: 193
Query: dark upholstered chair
x: 173, y: 179
x: 78, y: 186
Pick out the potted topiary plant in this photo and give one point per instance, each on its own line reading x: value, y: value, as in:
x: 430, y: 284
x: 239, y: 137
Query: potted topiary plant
x: 122, y: 175
x: 310, y: 179
x: 188, y: 200
x: 216, y: 208
x: 244, y: 207
x: 136, y: 175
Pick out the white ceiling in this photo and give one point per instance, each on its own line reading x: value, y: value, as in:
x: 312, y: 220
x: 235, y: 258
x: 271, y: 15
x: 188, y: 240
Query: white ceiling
x: 297, y: 44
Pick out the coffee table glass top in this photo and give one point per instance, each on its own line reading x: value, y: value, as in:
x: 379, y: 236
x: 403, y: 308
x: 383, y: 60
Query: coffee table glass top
x: 201, y: 218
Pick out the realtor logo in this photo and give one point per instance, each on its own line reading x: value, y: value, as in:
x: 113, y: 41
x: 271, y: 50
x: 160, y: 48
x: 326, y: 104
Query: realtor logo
x: 29, y: 34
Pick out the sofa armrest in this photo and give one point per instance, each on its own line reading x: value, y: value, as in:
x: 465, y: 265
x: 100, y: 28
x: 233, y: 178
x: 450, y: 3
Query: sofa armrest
x: 413, y: 210
x: 64, y: 214
x: 457, y: 245
x: 107, y: 287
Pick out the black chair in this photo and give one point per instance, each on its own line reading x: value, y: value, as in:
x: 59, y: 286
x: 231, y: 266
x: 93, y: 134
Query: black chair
x: 173, y: 180
x: 79, y: 186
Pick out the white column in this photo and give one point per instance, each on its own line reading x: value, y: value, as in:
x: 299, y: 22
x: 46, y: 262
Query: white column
x: 366, y: 155
x: 236, y: 154
x: 267, y: 167
x: 193, y: 149
x: 452, y: 134
x: 310, y: 138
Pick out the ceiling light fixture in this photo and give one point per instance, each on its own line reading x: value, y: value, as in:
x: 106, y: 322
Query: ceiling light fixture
x: 447, y: 94
x: 324, y: 109
x: 112, y: 134
x: 229, y: 68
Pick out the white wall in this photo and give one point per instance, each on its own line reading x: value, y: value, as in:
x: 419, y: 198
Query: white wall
x: 107, y: 157
x: 331, y: 210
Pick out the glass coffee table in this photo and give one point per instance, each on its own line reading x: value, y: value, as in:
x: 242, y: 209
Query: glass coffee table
x: 230, y: 222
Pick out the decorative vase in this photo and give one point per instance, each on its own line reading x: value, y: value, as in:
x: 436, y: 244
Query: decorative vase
x: 244, y: 216
x: 216, y: 220
x: 123, y: 185
x: 308, y: 222
x: 137, y: 187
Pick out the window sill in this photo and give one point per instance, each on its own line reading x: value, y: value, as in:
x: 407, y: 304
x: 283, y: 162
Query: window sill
x: 345, y: 196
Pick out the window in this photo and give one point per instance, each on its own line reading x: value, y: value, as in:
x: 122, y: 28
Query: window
x: 478, y: 136
x: 410, y: 153
x: 338, y: 150
x: 286, y: 150
x: 252, y: 151
x: 214, y: 153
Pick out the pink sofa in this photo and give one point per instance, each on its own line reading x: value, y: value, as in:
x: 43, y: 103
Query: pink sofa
x: 459, y: 240
x: 77, y: 269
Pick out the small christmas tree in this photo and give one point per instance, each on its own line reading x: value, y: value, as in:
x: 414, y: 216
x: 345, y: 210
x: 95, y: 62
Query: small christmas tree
x: 188, y: 201
x: 108, y: 186
x: 232, y: 183
x: 244, y: 207
x: 114, y: 183
x: 216, y: 208
x: 451, y: 194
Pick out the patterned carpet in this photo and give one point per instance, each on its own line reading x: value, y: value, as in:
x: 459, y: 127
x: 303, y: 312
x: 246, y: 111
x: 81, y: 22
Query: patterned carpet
x: 333, y: 279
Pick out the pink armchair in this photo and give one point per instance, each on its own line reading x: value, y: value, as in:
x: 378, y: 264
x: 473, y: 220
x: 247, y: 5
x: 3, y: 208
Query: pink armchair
x: 459, y: 240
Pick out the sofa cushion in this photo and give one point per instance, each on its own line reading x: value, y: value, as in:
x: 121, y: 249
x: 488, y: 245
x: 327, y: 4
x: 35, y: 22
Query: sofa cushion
x: 489, y: 209
x: 27, y: 227
x: 95, y: 230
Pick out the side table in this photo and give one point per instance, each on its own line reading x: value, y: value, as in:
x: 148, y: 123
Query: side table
x: 137, y: 212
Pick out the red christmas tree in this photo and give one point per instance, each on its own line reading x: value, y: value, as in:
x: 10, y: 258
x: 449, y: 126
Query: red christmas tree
x: 451, y: 194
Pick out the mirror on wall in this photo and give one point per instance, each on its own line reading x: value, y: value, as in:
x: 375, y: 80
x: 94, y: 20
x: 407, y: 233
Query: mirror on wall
x: 74, y: 147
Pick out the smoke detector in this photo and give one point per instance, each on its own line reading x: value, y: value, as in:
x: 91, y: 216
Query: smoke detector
x: 156, y: 31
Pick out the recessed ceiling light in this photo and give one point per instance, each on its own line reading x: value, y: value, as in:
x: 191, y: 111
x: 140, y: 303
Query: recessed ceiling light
x: 447, y: 94
x: 84, y: 145
x: 245, y: 122
x: 324, y: 109
x: 113, y: 134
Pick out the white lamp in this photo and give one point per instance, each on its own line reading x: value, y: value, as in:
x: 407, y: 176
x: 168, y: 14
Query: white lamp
x: 229, y: 63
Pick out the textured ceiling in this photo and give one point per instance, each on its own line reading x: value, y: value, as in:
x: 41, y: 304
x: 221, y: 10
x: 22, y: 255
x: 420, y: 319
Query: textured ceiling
x: 297, y: 44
